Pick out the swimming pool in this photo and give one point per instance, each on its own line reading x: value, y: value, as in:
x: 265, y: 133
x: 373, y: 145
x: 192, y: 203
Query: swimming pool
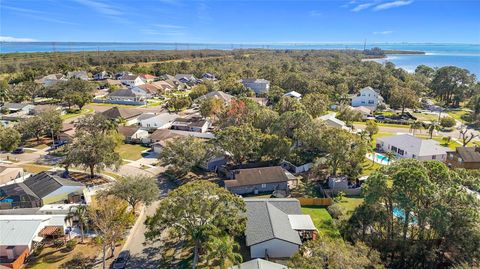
x: 379, y: 158
x: 400, y: 213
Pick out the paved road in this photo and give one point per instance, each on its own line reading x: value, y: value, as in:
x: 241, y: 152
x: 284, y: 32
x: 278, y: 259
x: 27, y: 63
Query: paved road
x: 146, y: 255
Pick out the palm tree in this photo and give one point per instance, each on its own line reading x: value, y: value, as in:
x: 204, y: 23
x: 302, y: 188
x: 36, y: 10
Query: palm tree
x: 224, y: 249
x: 432, y: 127
x: 80, y: 213
x: 390, y: 155
x: 414, y: 126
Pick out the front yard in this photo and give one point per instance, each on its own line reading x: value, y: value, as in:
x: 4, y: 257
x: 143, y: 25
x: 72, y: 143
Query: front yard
x: 130, y: 152
x: 51, y: 257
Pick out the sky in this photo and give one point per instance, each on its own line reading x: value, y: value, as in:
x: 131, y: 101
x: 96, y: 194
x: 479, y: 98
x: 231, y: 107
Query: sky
x: 229, y: 21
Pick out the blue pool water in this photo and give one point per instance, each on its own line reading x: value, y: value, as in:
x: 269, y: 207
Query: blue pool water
x: 400, y: 213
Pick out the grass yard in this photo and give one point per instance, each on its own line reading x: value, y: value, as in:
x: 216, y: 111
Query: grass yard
x: 457, y: 114
x: 130, y: 152
x: 381, y: 124
x: 369, y: 167
x: 425, y: 116
x: 35, y: 168
x: 76, y: 113
x: 51, y: 258
x: 322, y: 220
x: 348, y: 205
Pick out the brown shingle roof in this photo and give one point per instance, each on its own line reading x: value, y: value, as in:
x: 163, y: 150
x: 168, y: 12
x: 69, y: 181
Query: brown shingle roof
x: 254, y: 176
x: 162, y: 134
x: 469, y: 154
x: 127, y: 131
x: 121, y: 112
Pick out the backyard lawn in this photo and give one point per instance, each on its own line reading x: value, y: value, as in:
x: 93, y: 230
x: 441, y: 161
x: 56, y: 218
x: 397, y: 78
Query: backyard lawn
x: 35, y: 168
x: 348, y: 204
x: 55, y: 257
x: 322, y: 220
x: 369, y: 167
x: 130, y: 152
x: 76, y: 113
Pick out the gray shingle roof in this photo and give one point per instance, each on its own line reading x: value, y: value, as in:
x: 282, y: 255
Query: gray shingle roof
x: 44, y: 183
x: 225, y: 97
x: 259, y: 264
x: 268, y: 219
x: 469, y: 154
x: 121, y: 112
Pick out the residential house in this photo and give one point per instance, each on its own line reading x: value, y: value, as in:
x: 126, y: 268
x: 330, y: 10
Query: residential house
x: 131, y: 96
x: 259, y: 264
x: 164, y: 85
x: 464, y: 157
x: 133, y: 134
x: 366, y: 112
x: 153, y: 121
x: 149, y: 89
x: 101, y: 75
x: 331, y: 121
x: 113, y: 82
x: 131, y: 80
x: 276, y: 228
x: 25, y: 108
x: 121, y: 74
x: 224, y: 97
x: 147, y: 78
x: 128, y: 114
x: 208, y: 76
x: 40, y: 189
x: 257, y: 180
x: 10, y: 172
x: 159, y: 138
x: 367, y: 97
x: 213, y: 163
x: 259, y: 86
x: 83, y: 75
x: 51, y: 79
x: 20, y: 234
x: 293, y: 94
x: 187, y: 79
x: 67, y: 132
x: 192, y: 124
x: 409, y: 146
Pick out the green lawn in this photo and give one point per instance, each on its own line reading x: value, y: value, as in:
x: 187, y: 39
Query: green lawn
x: 348, y: 205
x: 35, y: 168
x: 425, y: 116
x: 369, y: 167
x: 384, y: 124
x: 322, y: 220
x: 76, y: 113
x: 130, y: 152
x: 457, y: 114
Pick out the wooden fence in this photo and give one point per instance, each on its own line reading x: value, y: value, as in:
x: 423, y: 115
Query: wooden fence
x: 315, y: 201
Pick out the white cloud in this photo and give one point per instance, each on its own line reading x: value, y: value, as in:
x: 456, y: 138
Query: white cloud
x: 362, y: 7
x: 15, y: 39
x: 393, y: 4
x: 100, y: 7
x: 383, y: 33
x: 168, y: 26
x: 315, y: 13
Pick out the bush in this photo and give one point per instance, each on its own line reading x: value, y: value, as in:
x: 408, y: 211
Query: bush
x: 335, y: 211
x: 70, y: 245
x: 58, y: 243
x: 447, y: 122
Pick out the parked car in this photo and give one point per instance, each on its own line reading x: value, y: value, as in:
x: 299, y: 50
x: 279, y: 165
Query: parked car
x: 18, y: 150
x: 122, y: 259
x: 380, y: 117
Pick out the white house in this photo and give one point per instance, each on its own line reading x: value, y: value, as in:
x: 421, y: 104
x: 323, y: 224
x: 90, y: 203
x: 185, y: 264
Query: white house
x: 152, y: 121
x: 331, y: 121
x: 409, y: 146
x: 259, y: 86
x: 276, y: 227
x: 367, y: 97
x: 293, y: 94
x: 259, y: 264
x: 131, y: 80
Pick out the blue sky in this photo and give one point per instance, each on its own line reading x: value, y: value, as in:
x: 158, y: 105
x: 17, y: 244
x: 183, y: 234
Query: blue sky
x: 230, y: 21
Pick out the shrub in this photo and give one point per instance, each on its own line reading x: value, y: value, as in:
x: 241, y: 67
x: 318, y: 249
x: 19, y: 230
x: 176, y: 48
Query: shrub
x: 447, y: 122
x: 70, y: 245
x: 335, y: 211
x: 58, y: 243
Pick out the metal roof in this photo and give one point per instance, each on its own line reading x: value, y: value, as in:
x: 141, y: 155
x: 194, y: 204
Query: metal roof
x: 18, y: 232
